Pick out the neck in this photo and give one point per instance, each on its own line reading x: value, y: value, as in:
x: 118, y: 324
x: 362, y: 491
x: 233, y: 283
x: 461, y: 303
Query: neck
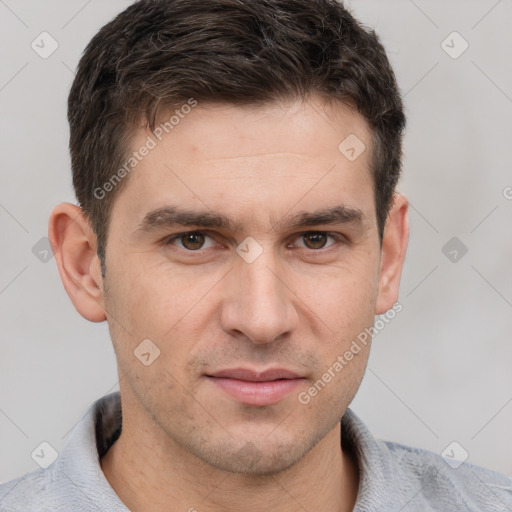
x: 326, y: 478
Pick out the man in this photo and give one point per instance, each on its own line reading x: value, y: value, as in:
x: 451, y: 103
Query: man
x: 235, y: 164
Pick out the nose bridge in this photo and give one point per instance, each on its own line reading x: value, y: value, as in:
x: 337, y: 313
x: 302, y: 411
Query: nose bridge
x: 260, y: 280
x: 258, y: 303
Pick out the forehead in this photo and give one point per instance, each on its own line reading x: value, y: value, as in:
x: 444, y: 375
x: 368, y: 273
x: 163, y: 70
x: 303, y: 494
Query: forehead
x: 247, y: 161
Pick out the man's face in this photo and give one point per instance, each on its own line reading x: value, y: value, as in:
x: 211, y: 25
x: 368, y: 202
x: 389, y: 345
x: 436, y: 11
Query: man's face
x: 223, y: 309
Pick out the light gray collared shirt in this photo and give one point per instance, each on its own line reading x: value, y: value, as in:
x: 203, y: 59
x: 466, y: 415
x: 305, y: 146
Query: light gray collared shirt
x: 393, y: 477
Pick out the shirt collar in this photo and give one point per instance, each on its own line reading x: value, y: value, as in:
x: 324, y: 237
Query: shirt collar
x: 100, y: 427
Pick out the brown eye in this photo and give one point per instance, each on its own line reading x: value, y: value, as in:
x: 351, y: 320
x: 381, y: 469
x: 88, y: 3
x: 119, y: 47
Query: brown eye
x: 315, y: 240
x: 192, y: 241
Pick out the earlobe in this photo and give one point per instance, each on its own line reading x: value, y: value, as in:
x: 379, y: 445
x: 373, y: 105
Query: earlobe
x: 394, y: 247
x: 74, y: 247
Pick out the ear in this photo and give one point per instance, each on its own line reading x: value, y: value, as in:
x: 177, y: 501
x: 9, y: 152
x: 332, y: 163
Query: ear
x: 394, y: 246
x: 74, y: 247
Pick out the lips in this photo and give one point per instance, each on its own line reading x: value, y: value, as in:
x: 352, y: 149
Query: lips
x: 253, y: 387
x: 255, y: 376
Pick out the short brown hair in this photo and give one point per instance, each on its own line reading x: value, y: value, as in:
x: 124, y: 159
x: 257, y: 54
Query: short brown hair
x: 158, y: 54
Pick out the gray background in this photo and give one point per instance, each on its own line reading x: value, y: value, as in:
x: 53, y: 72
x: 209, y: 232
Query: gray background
x: 439, y: 372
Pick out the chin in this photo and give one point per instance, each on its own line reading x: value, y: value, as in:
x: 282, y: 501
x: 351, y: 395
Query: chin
x: 256, y: 458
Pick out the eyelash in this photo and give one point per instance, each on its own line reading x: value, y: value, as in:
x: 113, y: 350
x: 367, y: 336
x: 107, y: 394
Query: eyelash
x: 337, y: 237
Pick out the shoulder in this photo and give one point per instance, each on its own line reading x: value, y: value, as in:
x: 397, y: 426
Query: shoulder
x: 53, y: 490
x: 74, y: 481
x: 394, y: 477
x: 27, y: 492
x: 446, y: 483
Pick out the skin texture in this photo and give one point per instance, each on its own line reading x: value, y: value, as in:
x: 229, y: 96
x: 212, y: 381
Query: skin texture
x: 185, y: 443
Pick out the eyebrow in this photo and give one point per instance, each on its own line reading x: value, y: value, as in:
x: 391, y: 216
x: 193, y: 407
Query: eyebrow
x: 171, y: 216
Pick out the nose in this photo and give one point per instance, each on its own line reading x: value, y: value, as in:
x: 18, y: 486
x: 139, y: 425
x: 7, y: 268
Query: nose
x: 258, y: 302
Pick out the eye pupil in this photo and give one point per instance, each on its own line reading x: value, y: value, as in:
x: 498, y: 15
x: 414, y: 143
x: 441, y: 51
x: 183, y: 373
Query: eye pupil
x: 193, y: 241
x: 315, y: 240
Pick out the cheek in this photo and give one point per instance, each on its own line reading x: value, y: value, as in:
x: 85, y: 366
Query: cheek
x: 343, y: 297
x: 165, y: 306
x: 342, y: 305
x: 154, y: 298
